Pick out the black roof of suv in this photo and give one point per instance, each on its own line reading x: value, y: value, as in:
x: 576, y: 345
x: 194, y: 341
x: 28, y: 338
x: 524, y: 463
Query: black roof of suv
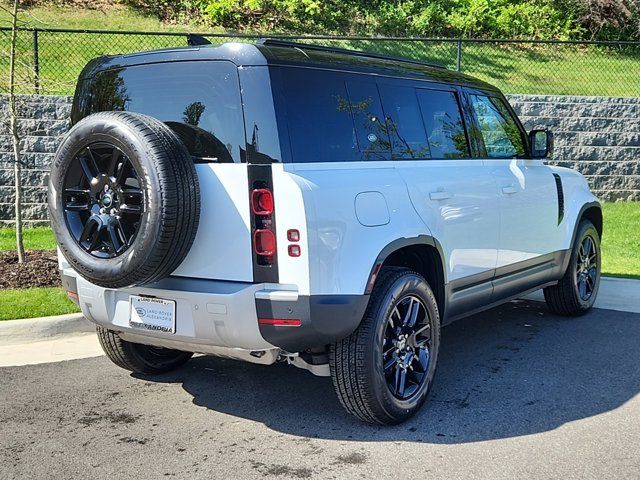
x: 277, y: 53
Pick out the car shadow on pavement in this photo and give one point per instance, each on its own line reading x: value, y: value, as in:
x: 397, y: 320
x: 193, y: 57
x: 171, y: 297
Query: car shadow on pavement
x: 511, y: 371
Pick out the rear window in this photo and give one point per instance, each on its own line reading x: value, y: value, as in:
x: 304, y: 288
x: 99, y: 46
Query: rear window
x: 200, y: 101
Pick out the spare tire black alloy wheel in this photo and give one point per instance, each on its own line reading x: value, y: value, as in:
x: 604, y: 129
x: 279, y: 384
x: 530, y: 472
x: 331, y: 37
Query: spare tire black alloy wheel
x: 102, y: 200
x: 124, y: 199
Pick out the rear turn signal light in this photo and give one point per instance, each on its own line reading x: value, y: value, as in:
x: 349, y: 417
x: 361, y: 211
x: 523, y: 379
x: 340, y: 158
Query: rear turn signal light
x: 262, y: 201
x: 280, y: 322
x: 264, y: 242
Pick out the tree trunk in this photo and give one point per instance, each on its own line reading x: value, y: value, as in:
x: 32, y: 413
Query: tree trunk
x: 13, y: 121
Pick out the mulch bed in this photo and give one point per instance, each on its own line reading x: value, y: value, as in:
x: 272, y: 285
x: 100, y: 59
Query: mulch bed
x: 39, y: 270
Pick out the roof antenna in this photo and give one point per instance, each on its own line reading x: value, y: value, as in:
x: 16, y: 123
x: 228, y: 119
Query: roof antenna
x: 193, y: 39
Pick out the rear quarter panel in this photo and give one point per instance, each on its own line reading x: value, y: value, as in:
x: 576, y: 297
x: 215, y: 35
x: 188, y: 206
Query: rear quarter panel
x: 342, y: 250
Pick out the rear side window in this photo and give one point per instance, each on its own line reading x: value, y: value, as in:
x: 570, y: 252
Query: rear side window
x: 499, y: 130
x: 404, y: 122
x: 368, y: 119
x: 443, y: 123
x: 200, y: 101
x: 319, y: 117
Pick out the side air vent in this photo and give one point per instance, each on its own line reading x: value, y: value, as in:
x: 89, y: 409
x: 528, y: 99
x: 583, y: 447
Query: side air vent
x: 560, y: 197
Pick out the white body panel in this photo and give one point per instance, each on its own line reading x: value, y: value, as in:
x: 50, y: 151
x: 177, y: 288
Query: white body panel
x: 457, y: 201
x: 291, y: 213
x: 526, y: 190
x: 576, y: 195
x: 222, y: 247
x: 342, y: 251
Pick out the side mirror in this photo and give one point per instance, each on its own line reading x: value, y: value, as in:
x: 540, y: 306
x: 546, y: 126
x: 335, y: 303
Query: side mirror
x: 541, y: 143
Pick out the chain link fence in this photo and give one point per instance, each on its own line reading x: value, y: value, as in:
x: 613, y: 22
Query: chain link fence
x: 49, y: 60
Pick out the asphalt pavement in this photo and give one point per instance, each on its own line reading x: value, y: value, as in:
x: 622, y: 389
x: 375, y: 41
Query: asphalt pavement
x: 519, y: 393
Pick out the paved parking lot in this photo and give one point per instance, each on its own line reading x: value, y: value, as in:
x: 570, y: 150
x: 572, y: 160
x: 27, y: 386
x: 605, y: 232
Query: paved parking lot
x: 519, y: 394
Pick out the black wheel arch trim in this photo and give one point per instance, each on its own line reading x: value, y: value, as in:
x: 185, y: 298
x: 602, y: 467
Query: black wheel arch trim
x: 576, y: 226
x: 399, y: 244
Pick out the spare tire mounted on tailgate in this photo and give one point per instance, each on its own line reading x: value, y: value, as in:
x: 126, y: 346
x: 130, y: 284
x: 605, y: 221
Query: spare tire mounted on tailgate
x: 124, y: 200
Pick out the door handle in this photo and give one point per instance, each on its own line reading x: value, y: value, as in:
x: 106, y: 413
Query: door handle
x: 509, y: 190
x: 439, y: 195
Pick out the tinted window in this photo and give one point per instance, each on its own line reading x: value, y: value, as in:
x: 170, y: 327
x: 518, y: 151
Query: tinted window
x: 198, y: 100
x: 443, y: 123
x: 319, y: 118
x: 499, y: 130
x: 404, y: 122
x: 368, y: 119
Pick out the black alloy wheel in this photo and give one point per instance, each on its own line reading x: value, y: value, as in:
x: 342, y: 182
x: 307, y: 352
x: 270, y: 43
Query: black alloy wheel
x: 102, y: 200
x: 383, y: 371
x: 576, y: 292
x: 407, y: 347
x: 586, y: 268
x: 124, y: 199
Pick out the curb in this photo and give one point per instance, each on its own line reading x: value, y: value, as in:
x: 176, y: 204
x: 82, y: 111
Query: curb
x: 13, y: 332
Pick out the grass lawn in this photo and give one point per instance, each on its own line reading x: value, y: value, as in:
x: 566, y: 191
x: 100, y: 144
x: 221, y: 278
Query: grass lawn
x: 37, y: 238
x: 34, y: 302
x: 542, y: 69
x: 621, y: 239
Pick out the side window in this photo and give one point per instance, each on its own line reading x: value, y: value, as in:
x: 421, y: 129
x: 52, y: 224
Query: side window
x: 319, y: 118
x: 499, y: 131
x: 404, y: 122
x: 368, y: 119
x: 443, y: 123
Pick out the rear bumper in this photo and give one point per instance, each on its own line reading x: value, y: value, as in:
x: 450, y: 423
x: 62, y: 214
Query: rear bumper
x: 211, y: 314
x: 323, y: 318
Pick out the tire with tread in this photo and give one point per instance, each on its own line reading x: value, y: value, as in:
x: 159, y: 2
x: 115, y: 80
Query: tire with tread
x: 171, y: 190
x: 138, y: 358
x: 357, y: 381
x: 563, y: 298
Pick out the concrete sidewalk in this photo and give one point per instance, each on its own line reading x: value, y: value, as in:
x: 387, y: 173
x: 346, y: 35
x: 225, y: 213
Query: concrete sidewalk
x: 47, y: 340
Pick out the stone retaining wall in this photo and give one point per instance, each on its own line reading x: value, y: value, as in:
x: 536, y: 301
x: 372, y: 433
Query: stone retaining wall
x: 43, y: 121
x: 598, y: 136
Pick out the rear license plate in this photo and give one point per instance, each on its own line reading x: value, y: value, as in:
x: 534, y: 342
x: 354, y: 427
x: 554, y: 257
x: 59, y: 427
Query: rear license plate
x: 153, y: 314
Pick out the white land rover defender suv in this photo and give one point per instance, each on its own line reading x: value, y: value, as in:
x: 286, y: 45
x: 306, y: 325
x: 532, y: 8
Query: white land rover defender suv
x: 329, y: 208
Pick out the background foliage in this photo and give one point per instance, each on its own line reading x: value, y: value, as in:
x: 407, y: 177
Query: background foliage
x: 544, y: 19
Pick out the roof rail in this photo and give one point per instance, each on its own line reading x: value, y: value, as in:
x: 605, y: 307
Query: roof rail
x: 356, y: 53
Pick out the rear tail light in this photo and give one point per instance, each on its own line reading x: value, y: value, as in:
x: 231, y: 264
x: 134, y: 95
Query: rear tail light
x: 264, y: 238
x: 262, y: 201
x: 264, y: 243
